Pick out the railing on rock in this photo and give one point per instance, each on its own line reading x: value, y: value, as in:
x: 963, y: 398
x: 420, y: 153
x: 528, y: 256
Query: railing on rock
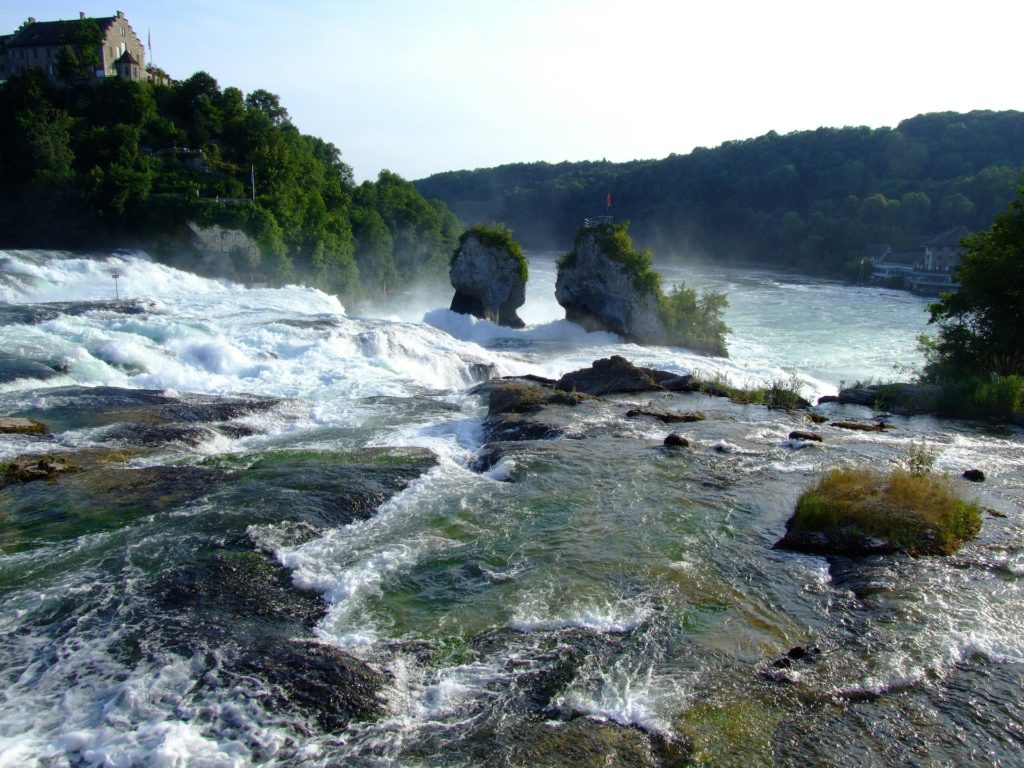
x: 596, y: 221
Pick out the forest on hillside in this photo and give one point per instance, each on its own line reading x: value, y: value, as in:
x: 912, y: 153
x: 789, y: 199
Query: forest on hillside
x: 120, y: 164
x: 810, y: 200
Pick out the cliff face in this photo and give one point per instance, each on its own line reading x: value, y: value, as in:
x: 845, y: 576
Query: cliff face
x: 228, y: 252
x: 602, y: 293
x: 488, y: 281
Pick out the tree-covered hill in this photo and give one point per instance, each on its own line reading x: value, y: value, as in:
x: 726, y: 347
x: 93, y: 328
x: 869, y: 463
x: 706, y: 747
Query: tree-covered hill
x: 126, y: 164
x: 810, y: 199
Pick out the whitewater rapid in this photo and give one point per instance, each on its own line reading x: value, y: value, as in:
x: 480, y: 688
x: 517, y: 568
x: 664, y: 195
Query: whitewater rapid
x: 649, y: 577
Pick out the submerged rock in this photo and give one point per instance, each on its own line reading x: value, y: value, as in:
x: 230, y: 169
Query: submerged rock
x: 799, y: 434
x: 13, y: 368
x: 666, y: 417
x: 25, y: 470
x: 858, y: 426
x: 489, y: 275
x: 18, y: 426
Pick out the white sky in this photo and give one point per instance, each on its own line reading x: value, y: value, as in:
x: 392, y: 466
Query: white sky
x: 435, y: 85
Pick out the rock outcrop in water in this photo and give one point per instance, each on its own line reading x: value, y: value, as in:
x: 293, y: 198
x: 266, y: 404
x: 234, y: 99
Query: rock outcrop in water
x: 602, y: 291
x: 489, y: 275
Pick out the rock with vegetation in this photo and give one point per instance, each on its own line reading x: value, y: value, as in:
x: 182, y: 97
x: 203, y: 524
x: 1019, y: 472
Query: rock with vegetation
x: 616, y: 375
x: 27, y: 469
x: 489, y: 272
x: 861, y: 511
x: 605, y: 284
x: 10, y: 425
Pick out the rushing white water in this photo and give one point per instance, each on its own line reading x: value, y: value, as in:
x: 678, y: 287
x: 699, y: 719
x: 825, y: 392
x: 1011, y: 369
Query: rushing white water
x: 660, y: 569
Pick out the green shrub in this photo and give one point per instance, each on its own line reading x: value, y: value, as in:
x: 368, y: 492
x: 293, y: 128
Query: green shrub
x: 695, y: 322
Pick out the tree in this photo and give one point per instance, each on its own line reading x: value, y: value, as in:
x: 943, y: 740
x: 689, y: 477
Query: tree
x: 79, y: 55
x: 979, y: 325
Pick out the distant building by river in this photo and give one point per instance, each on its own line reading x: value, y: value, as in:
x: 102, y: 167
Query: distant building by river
x: 37, y: 44
x: 927, y: 269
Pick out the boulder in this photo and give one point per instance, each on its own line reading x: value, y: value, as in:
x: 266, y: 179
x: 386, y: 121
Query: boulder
x: 974, y: 475
x: 489, y: 274
x: 666, y: 417
x: 601, y: 291
x: 676, y: 441
x: 799, y: 434
x: 18, y: 426
x: 613, y: 375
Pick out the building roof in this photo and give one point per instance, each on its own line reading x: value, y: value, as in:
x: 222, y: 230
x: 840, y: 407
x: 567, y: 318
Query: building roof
x: 127, y: 58
x: 906, y: 258
x: 949, y: 238
x: 51, y: 32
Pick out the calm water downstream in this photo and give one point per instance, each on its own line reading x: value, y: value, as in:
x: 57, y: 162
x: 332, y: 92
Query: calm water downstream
x: 591, y: 601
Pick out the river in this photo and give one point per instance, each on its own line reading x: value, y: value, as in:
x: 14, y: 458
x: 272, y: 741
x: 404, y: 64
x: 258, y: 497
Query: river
x: 591, y: 601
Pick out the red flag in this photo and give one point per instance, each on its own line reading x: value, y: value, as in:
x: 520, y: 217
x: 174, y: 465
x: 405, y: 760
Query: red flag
x: 609, y: 199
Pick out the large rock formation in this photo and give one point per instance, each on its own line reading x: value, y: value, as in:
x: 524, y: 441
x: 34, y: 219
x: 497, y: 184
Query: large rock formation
x: 604, y: 286
x: 489, y: 273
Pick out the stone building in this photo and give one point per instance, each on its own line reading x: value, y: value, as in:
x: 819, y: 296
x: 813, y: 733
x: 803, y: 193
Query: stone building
x: 36, y: 43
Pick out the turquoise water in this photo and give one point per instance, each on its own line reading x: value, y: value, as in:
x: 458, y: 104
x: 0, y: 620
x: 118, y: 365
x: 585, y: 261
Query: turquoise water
x: 584, y: 601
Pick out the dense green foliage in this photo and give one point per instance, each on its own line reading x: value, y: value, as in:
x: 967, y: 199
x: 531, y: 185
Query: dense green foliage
x: 690, y: 321
x: 811, y: 199
x: 119, y: 163
x: 497, y: 236
x: 977, y: 353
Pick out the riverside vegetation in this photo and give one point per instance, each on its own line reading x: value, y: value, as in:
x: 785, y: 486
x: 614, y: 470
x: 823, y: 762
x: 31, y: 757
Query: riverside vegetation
x: 126, y: 164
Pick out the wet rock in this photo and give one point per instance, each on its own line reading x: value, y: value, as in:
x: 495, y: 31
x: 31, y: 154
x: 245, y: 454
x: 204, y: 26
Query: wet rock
x: 666, y: 417
x: 676, y: 441
x: 33, y: 314
x: 590, y: 743
x: 204, y: 409
x: 17, y: 426
x: 613, y: 375
x: 858, y: 426
x: 522, y: 396
x: 816, y: 418
x: 324, y: 488
x: 488, y: 273
x: 13, y: 368
x: 27, y: 469
x: 311, y: 678
x: 974, y: 475
x: 157, y: 435
x: 799, y: 434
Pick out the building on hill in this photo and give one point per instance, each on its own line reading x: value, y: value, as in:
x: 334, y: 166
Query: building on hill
x: 37, y: 43
x: 927, y: 269
x: 942, y: 253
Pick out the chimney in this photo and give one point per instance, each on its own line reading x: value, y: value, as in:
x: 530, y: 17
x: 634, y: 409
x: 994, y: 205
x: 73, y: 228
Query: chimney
x: 120, y: 14
x: 81, y: 15
x: 31, y: 19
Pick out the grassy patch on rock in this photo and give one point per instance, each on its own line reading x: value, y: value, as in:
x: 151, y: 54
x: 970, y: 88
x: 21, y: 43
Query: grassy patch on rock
x: 855, y: 511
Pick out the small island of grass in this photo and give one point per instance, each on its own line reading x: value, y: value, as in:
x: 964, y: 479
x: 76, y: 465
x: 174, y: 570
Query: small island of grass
x: 861, y: 511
